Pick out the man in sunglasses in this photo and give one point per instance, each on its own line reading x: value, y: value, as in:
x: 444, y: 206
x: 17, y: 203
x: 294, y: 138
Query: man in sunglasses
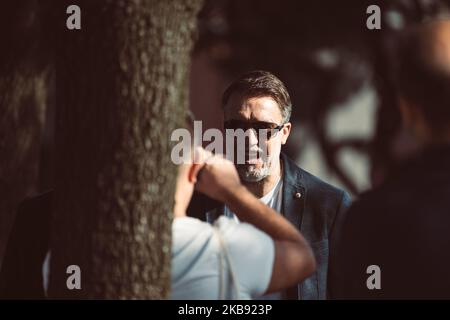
x: 258, y: 104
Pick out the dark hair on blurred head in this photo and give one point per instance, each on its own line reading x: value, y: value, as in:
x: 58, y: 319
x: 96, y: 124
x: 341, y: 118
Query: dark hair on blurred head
x: 422, y: 76
x: 261, y: 84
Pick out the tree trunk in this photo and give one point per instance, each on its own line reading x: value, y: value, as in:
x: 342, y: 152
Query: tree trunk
x: 122, y: 84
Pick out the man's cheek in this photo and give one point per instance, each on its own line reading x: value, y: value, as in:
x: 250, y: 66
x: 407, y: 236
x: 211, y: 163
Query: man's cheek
x: 274, y: 150
x: 271, y: 149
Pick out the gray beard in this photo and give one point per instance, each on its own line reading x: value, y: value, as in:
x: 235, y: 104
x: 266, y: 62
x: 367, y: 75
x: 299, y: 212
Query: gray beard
x: 248, y: 173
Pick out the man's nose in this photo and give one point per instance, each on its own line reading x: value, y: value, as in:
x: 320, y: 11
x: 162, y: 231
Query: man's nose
x: 252, y: 137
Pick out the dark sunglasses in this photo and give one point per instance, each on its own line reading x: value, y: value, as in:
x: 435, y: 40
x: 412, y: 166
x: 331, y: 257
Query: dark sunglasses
x: 267, y: 129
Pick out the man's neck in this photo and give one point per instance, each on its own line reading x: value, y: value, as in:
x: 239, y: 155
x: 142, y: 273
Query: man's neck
x: 263, y: 187
x: 179, y: 212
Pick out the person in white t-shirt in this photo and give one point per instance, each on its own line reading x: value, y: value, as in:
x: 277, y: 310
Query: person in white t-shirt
x: 273, y: 199
x: 231, y: 260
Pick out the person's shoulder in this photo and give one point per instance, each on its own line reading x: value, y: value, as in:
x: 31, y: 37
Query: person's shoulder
x: 370, y: 208
x: 27, y: 246
x: 228, y: 226
x: 35, y: 209
x: 378, y: 197
x: 188, y: 229
x: 313, y: 183
x: 189, y: 225
x: 241, y: 234
x: 41, y: 200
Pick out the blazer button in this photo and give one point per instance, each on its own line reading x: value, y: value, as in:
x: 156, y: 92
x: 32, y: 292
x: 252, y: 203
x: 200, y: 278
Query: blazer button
x: 298, y: 195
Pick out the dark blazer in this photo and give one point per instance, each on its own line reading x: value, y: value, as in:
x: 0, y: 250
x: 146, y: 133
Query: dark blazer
x: 314, y: 207
x: 21, y: 272
x: 403, y: 227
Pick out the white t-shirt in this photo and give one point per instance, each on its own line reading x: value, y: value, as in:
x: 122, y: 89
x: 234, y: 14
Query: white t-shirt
x: 196, y: 258
x: 273, y: 199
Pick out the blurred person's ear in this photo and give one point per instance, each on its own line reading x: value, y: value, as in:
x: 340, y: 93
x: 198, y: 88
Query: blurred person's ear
x: 285, y: 132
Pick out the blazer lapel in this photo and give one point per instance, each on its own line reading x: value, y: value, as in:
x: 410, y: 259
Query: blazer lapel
x: 293, y: 204
x: 294, y: 193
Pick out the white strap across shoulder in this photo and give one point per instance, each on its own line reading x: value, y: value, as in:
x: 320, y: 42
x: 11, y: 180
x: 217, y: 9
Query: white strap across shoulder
x: 225, y: 258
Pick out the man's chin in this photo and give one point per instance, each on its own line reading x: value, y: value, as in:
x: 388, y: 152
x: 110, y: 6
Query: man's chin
x: 253, y: 162
x: 249, y: 173
x: 247, y: 168
x: 251, y: 179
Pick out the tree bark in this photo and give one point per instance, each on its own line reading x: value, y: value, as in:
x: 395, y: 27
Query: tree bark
x: 122, y: 85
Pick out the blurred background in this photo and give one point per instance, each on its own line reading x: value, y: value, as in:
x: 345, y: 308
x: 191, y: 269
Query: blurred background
x: 346, y: 128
